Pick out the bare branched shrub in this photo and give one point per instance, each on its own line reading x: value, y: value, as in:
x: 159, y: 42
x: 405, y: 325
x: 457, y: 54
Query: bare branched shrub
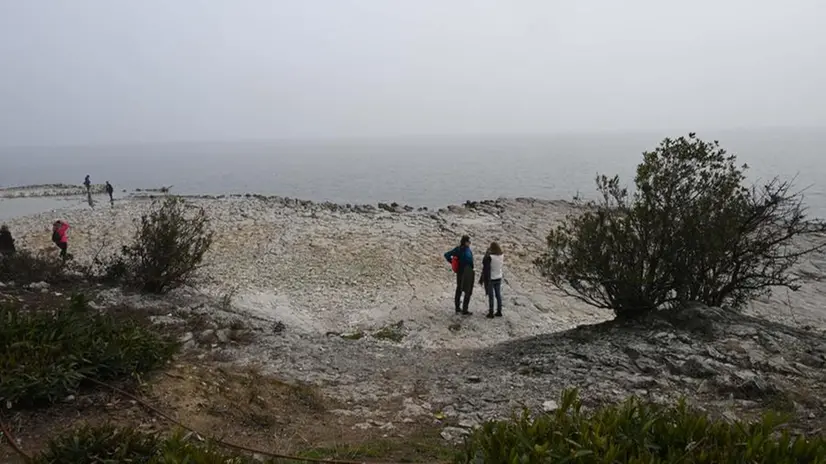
x: 692, y: 231
x: 168, y: 247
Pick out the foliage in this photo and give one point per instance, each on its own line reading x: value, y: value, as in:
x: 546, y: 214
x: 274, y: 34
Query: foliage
x: 392, y: 332
x: 636, y: 432
x: 691, y: 231
x: 169, y: 245
x: 110, y: 444
x: 24, y: 267
x: 45, y: 356
x: 107, y: 444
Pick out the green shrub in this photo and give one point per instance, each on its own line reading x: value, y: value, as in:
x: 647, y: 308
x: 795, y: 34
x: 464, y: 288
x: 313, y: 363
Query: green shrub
x: 691, y: 231
x: 168, y: 248
x: 636, y: 432
x: 24, y: 267
x: 108, y: 444
x: 99, y: 445
x: 45, y: 356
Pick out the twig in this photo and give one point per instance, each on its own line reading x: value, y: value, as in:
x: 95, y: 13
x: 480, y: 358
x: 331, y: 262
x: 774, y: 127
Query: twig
x: 4, y: 430
x: 220, y: 442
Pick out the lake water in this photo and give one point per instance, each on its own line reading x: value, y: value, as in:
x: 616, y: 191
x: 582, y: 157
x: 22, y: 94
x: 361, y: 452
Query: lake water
x: 432, y: 172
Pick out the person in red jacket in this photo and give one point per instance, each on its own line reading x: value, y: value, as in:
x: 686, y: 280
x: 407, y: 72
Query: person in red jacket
x: 60, y: 237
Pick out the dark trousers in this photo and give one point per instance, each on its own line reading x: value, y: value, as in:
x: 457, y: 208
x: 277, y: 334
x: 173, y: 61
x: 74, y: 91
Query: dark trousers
x: 495, y: 289
x: 63, y: 247
x: 462, y: 286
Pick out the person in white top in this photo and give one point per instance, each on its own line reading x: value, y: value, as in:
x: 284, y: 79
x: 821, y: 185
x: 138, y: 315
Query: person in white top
x: 492, y: 275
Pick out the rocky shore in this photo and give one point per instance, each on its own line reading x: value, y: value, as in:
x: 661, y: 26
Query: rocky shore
x: 357, y: 300
x: 49, y: 190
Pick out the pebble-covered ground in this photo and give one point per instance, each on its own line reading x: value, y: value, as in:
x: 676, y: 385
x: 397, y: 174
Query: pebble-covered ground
x: 358, y: 300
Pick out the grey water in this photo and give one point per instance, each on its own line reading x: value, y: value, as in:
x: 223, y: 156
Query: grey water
x: 425, y: 171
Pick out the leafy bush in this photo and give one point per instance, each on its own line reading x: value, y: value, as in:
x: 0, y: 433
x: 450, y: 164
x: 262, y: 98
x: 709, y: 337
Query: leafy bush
x: 691, y: 231
x: 636, y: 432
x: 168, y: 248
x: 110, y: 444
x: 25, y: 267
x: 46, y: 356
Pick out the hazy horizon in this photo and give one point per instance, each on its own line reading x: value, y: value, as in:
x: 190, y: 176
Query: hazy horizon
x: 655, y: 136
x: 95, y: 72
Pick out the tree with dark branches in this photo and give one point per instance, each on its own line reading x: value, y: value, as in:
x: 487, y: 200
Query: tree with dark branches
x: 691, y: 231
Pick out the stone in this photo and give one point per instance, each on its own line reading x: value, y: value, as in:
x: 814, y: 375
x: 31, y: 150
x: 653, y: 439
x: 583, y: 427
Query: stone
x: 647, y: 365
x: 637, y: 350
x: 387, y: 426
x: 526, y: 370
x: 468, y: 423
x: 779, y: 364
x: 223, y: 335
x: 714, y: 353
x: 697, y: 367
x: 453, y: 435
x: 39, y: 286
x: 206, y: 336
x: 750, y: 382
x: 814, y: 361
x: 550, y: 406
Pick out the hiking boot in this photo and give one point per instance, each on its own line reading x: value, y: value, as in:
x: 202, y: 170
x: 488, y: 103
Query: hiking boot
x: 466, y: 313
x: 490, y: 315
x: 499, y: 313
x: 458, y: 311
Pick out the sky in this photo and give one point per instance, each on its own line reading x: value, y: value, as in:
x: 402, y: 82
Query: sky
x: 115, y: 71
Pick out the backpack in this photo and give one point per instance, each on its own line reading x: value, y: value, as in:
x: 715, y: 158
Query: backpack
x: 454, y: 263
x: 56, y: 236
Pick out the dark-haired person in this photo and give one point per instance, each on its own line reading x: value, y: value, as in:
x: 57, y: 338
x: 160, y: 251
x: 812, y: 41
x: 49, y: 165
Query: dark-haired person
x: 465, y: 276
x: 110, y: 190
x: 492, y: 265
x: 6, y: 241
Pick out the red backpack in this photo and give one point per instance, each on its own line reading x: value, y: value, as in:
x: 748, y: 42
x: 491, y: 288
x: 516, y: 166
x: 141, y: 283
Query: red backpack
x: 454, y: 263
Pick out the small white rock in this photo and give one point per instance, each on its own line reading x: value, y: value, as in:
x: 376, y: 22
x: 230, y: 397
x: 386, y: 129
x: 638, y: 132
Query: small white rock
x: 550, y: 406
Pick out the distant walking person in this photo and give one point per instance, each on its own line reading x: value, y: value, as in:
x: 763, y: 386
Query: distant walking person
x: 60, y: 236
x: 461, y: 259
x: 88, y: 183
x: 492, y: 275
x: 6, y: 241
x: 110, y: 190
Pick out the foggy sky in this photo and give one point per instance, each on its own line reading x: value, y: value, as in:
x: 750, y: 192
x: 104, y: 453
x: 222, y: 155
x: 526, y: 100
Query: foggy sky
x: 101, y: 71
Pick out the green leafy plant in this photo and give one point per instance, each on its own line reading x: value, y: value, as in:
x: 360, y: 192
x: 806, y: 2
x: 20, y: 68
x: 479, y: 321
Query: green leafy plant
x: 46, y: 356
x: 109, y: 444
x: 691, y: 231
x: 636, y: 432
x: 168, y: 248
